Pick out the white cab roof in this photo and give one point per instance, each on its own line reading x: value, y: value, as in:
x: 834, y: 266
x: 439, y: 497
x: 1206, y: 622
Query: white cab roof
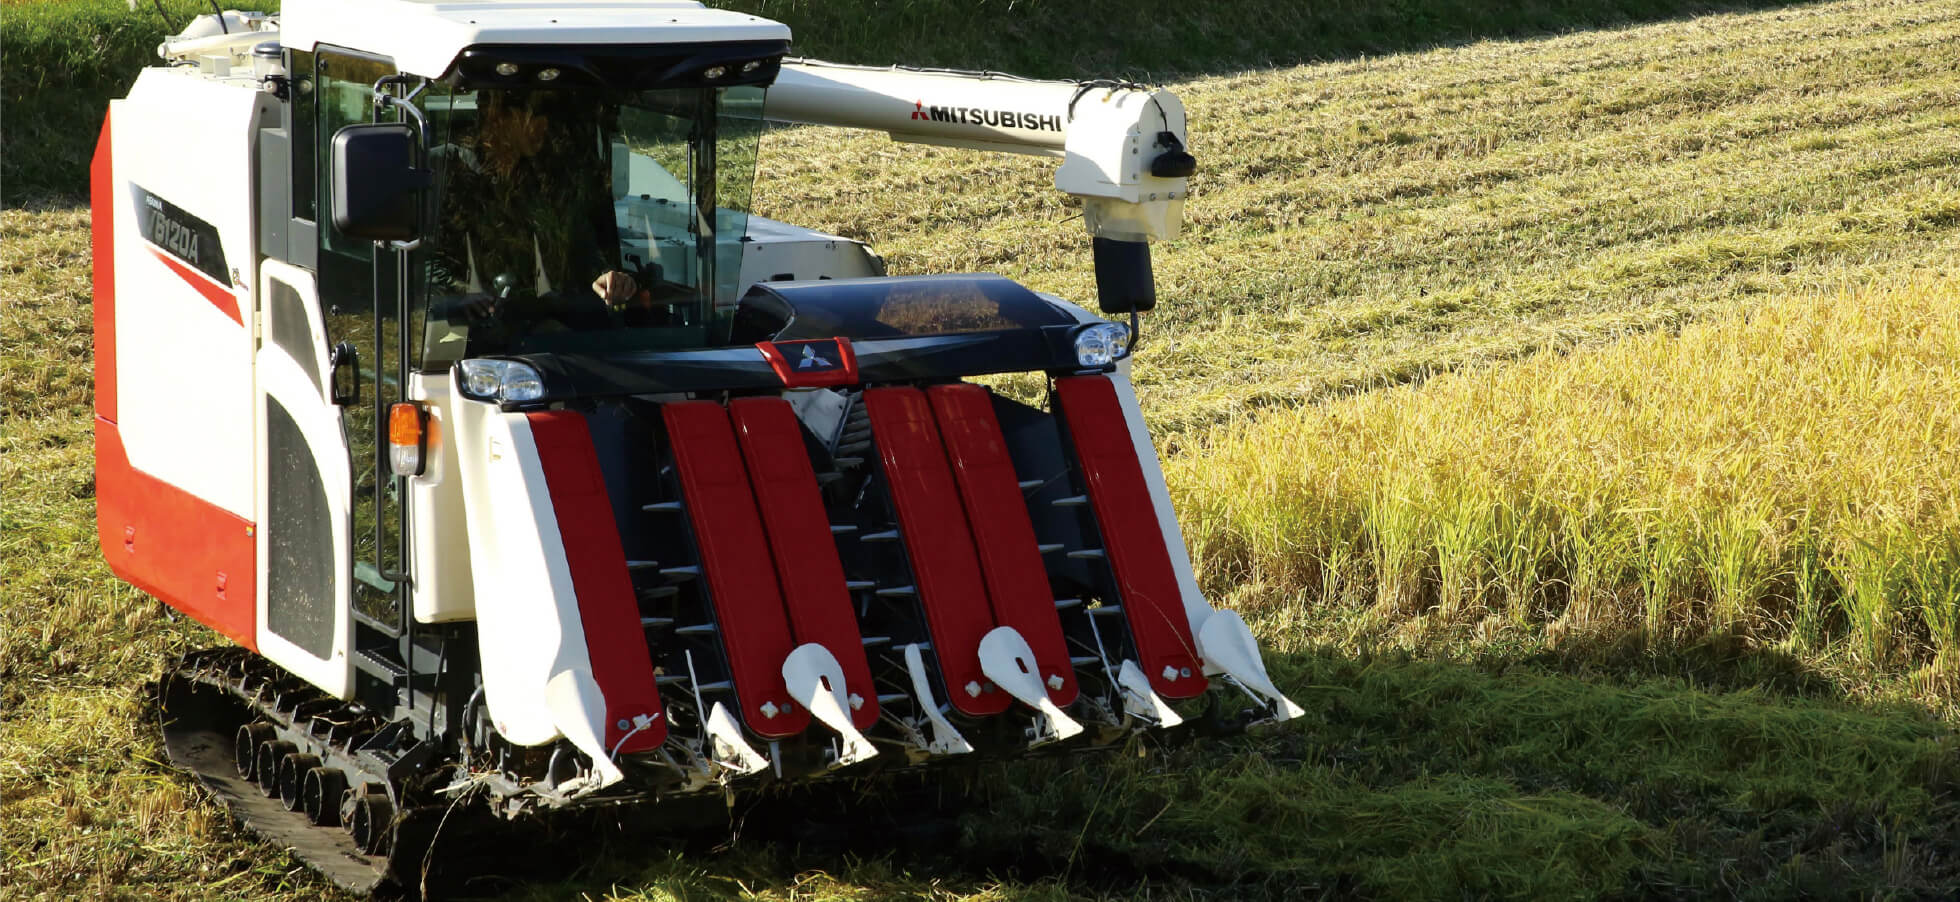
x: 423, y: 37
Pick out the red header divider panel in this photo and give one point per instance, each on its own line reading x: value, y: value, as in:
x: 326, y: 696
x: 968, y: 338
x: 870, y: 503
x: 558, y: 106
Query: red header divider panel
x: 735, y: 563
x: 1010, y: 557
x: 793, y: 515
x: 607, y: 608
x: 1131, y: 536
x: 937, y: 541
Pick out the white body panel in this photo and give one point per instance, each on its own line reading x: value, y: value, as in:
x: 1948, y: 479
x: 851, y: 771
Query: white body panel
x: 423, y: 37
x: 284, y: 379
x: 1107, y: 137
x: 926, y: 107
x: 528, y: 624
x: 780, y: 252
x: 438, y: 545
x: 183, y: 366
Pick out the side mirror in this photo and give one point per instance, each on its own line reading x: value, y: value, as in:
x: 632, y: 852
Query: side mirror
x: 1124, y: 281
x: 344, y: 375
x: 377, y: 191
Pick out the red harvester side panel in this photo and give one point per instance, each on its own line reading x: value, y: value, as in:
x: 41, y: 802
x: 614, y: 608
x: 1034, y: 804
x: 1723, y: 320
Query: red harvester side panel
x: 735, y: 563
x: 192, y: 554
x: 102, y: 241
x: 607, y: 608
x: 937, y: 542
x: 799, y: 538
x: 1017, y: 580
x: 1131, y: 536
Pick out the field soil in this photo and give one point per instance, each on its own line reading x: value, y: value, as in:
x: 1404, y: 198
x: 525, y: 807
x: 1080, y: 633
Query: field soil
x: 1445, y: 328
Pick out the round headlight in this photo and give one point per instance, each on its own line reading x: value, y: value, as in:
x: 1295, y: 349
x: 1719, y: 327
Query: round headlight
x: 547, y: 74
x: 713, y: 73
x: 506, y: 69
x: 1101, y: 344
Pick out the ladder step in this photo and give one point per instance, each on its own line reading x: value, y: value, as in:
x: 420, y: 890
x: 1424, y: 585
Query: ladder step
x: 1049, y: 548
x: 654, y: 593
x: 1066, y: 603
x: 1027, y: 484
x: 1071, y: 501
x: 898, y: 592
x: 889, y: 535
x: 696, y: 629
x: 647, y: 623
x: 1086, y: 554
x: 663, y: 507
x: 838, y: 529
x: 678, y: 574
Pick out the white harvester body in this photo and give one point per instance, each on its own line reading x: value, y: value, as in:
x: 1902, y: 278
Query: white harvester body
x: 443, y: 368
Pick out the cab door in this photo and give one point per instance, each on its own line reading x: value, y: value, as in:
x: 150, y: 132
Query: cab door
x: 304, y: 487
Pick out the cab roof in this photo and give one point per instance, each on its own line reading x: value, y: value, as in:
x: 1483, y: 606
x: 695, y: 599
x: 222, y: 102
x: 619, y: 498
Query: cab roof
x: 424, y: 37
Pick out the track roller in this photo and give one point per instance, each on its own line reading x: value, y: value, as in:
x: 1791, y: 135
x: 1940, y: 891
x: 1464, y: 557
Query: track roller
x: 320, y: 794
x: 266, y: 768
x: 245, y: 748
x: 292, y: 777
x: 368, y: 817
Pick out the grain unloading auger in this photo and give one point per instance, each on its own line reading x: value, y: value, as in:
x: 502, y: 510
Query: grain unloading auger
x: 441, y: 367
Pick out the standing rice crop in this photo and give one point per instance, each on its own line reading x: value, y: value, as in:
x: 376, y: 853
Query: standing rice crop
x: 1791, y: 476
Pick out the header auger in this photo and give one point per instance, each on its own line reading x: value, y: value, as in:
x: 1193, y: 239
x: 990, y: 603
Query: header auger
x: 442, y: 368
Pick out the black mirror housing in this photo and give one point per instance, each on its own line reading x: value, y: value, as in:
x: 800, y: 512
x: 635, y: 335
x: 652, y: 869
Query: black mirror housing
x: 377, y: 190
x: 1124, y: 280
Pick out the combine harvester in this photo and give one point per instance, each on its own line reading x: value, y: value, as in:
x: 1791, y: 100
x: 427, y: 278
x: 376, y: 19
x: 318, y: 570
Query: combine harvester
x: 441, y: 368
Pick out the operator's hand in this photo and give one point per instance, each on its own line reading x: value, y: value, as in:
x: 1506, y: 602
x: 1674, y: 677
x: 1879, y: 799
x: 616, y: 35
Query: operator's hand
x: 615, y: 288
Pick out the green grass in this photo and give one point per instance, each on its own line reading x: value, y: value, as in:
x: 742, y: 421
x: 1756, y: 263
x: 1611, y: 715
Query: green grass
x: 64, y: 60
x: 62, y: 56
x: 1356, y: 225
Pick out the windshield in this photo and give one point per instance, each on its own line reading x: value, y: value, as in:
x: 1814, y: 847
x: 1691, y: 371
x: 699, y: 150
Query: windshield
x: 584, y: 218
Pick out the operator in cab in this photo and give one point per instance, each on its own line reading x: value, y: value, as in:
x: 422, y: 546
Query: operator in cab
x: 527, y: 244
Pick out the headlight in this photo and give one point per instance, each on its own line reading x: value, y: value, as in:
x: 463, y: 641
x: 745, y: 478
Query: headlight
x: 501, y: 380
x: 1101, y: 344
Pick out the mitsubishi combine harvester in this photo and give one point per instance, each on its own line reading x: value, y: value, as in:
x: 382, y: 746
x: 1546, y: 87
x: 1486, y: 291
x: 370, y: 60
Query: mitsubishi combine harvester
x: 443, y: 369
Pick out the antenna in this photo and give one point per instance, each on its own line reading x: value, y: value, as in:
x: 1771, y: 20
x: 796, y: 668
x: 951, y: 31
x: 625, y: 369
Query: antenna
x: 160, y: 14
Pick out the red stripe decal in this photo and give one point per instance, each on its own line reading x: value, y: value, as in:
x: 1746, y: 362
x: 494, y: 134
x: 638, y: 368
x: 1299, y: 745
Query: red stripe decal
x: 615, y: 646
x: 195, y: 556
x: 220, y: 296
x: 102, y: 242
x: 1017, y: 580
x: 937, y: 542
x: 735, y: 564
x: 1131, y: 537
x: 799, y: 537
